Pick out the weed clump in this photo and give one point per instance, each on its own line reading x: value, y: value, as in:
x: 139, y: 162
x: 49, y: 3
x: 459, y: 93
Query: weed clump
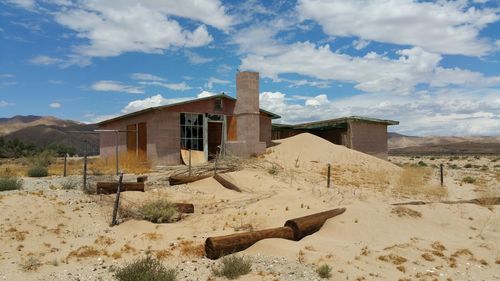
x: 10, y: 183
x: 469, y: 179
x: 401, y: 211
x: 30, y: 264
x: 69, y: 184
x: 159, y: 211
x: 146, y: 269
x: 38, y: 172
x: 324, y: 271
x: 233, y: 267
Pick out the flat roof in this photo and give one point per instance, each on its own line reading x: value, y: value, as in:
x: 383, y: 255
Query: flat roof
x: 136, y: 113
x: 337, y: 122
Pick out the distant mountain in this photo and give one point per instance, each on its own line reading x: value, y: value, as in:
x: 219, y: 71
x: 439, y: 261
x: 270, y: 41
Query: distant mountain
x: 44, y: 130
x: 401, y: 144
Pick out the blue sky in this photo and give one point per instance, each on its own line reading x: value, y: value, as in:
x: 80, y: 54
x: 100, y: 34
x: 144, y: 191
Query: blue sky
x: 434, y: 66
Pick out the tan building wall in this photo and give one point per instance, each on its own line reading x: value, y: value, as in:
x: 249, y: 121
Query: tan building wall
x: 368, y: 137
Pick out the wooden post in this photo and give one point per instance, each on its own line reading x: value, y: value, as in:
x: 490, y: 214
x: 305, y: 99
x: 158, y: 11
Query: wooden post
x: 65, y: 164
x: 116, y: 150
x: 441, y: 173
x: 190, y: 162
x: 117, y: 201
x: 85, y: 171
x: 328, y: 176
x: 215, y: 162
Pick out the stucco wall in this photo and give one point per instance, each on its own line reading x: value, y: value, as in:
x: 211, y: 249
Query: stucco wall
x: 265, y: 128
x: 163, y: 137
x: 367, y: 137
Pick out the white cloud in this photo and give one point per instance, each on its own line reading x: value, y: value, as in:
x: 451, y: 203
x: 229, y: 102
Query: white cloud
x: 45, y: 60
x: 212, y: 80
x: 55, y: 105
x: 26, y: 4
x: 205, y: 94
x: 153, y: 101
x: 145, y: 77
x: 194, y: 58
x: 113, y: 27
x: 5, y: 104
x: 115, y: 86
x: 6, y: 75
x: 442, y: 112
x: 182, y: 86
x: 360, y: 44
x: 444, y: 27
x: 371, y: 73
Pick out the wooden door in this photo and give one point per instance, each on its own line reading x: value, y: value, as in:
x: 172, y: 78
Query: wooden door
x: 142, y: 140
x: 131, y: 139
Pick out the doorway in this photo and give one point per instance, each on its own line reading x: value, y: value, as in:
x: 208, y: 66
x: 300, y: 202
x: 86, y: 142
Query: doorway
x: 214, y: 138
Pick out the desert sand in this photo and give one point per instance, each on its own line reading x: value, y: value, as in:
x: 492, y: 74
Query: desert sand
x: 65, y: 234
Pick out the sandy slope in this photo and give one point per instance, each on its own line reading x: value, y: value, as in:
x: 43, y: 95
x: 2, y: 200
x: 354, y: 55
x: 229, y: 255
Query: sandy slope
x: 367, y: 242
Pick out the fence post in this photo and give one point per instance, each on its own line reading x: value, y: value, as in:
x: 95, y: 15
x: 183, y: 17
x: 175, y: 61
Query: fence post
x: 215, y: 163
x: 328, y: 176
x: 85, y: 171
x: 441, y: 173
x: 117, y: 201
x: 189, y: 162
x: 65, y: 164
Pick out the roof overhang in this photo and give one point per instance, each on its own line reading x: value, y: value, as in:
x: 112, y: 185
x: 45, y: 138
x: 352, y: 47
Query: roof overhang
x: 336, y: 123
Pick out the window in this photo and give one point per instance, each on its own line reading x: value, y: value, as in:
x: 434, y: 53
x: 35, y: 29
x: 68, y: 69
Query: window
x: 192, y: 131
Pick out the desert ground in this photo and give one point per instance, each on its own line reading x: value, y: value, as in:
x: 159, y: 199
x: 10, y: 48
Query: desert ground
x: 52, y: 233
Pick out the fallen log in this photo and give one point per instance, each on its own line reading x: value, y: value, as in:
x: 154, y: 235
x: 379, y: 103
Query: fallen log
x: 227, y: 184
x: 186, y: 208
x: 477, y: 201
x: 176, y: 180
x: 216, y: 247
x: 307, y: 225
x: 111, y: 187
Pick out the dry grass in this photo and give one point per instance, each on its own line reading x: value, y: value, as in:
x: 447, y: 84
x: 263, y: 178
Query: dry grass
x: 401, y: 211
x: 414, y: 181
x: 86, y: 252
x: 104, y: 240
x: 192, y: 249
x: 127, y: 162
x: 427, y: 257
x: 393, y: 258
x: 30, y: 264
x: 152, y: 236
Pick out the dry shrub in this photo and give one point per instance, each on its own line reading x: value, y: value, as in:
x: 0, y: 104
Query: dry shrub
x: 162, y: 254
x: 233, y: 267
x: 401, y: 211
x: 104, y: 240
x: 438, y: 246
x: 16, y: 234
x: 401, y: 268
x: 159, y: 211
x: 152, y: 236
x: 395, y: 259
x: 146, y: 269
x: 324, y: 271
x: 127, y: 162
x: 190, y: 248
x: 30, y: 264
x: 414, y: 181
x: 10, y: 182
x: 463, y: 252
x: 85, y: 252
x: 427, y: 257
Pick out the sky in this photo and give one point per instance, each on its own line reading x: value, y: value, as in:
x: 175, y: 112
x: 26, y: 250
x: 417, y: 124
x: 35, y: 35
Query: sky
x: 432, y: 65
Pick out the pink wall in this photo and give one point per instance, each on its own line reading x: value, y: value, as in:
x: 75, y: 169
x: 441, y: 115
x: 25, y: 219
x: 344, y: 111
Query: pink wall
x: 370, y: 138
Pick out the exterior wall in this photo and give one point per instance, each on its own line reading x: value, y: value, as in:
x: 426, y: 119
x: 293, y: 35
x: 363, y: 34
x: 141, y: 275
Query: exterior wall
x: 265, y: 129
x: 367, y: 137
x: 163, y: 137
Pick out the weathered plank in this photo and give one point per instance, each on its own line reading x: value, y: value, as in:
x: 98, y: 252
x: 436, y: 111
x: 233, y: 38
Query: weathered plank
x: 227, y: 184
x: 186, y: 208
x: 176, y: 180
x: 112, y: 187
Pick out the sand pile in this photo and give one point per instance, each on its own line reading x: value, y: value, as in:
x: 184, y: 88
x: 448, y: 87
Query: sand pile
x: 311, y: 154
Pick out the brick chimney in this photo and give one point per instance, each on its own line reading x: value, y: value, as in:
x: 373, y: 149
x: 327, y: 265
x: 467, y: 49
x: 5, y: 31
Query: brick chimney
x: 247, y: 115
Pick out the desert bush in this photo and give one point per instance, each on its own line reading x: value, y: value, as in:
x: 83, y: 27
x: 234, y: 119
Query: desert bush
x: 37, y: 172
x: 422, y: 164
x: 30, y: 264
x: 468, y: 165
x: 469, y: 179
x: 159, y: 211
x: 233, y: 267
x: 324, y: 271
x: 42, y: 159
x: 69, y: 184
x: 273, y: 170
x: 145, y: 269
x: 10, y: 183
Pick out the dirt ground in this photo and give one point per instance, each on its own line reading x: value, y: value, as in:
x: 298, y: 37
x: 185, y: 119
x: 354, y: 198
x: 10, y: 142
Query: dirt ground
x: 50, y: 233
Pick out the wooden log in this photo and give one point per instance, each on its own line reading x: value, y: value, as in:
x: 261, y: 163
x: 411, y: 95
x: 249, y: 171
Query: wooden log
x: 186, y: 208
x: 112, y: 187
x: 227, y: 184
x: 176, y: 180
x: 216, y: 247
x: 478, y: 201
x: 307, y: 225
x: 142, y: 178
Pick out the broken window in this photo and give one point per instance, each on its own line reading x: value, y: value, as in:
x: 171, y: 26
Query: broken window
x: 192, y: 131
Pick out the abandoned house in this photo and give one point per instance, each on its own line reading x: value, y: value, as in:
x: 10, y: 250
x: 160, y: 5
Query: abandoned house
x: 368, y: 135
x: 221, y: 124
